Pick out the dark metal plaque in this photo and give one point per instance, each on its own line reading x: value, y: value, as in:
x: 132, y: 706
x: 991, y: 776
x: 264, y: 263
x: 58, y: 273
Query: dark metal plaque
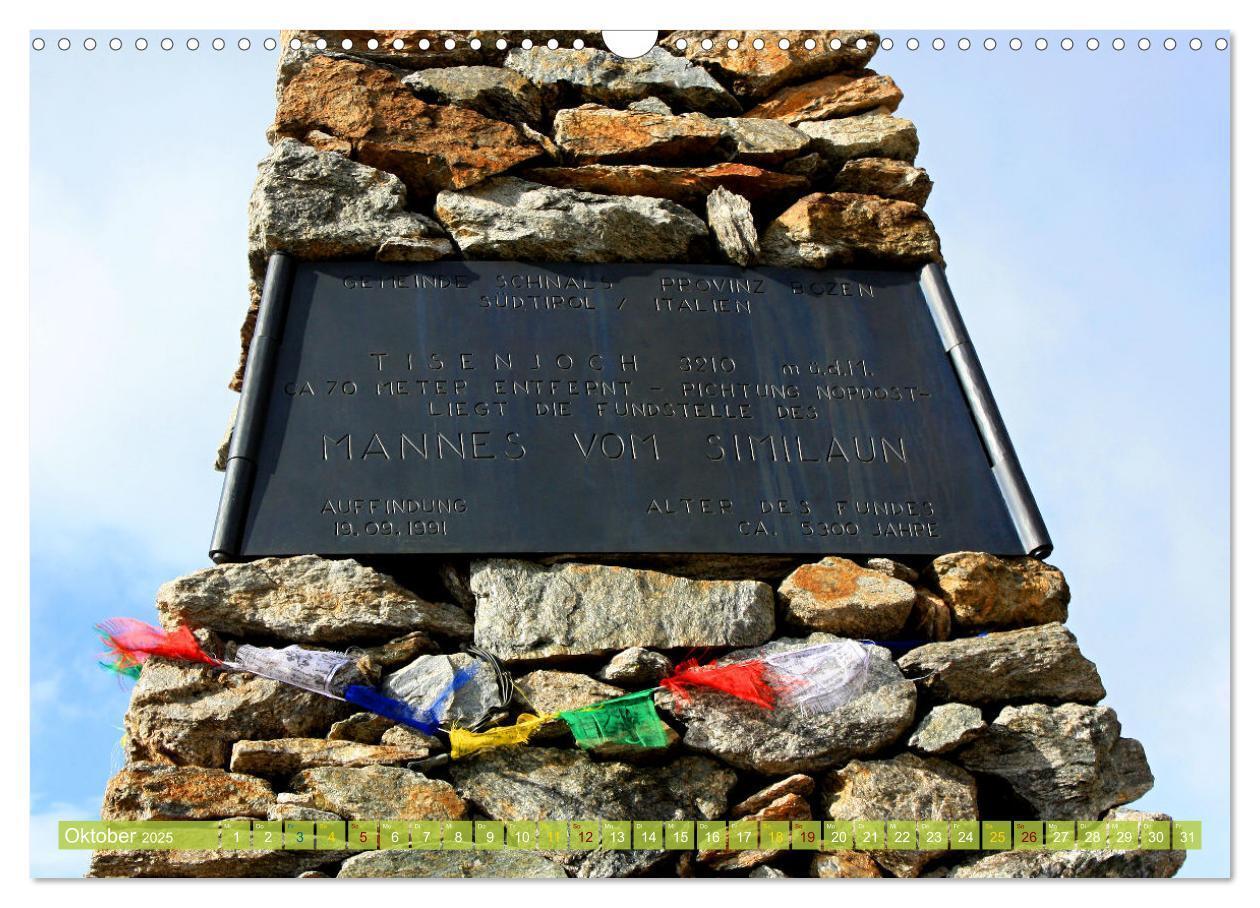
x: 497, y: 407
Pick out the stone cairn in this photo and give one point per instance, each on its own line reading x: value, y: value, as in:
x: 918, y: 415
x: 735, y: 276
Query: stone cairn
x: 469, y: 145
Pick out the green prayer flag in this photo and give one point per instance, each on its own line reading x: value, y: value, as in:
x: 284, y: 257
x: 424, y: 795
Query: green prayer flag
x: 628, y: 720
x: 131, y: 671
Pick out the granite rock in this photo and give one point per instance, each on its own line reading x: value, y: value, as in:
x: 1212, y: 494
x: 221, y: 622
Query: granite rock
x: 322, y: 141
x: 684, y: 185
x: 430, y: 147
x: 550, y: 691
x: 185, y: 714
x: 799, y: 784
x: 542, y: 783
x: 844, y: 865
x: 208, y: 864
x: 766, y: 872
x: 1037, y: 663
x: 650, y: 105
x: 376, y: 792
x: 734, y: 230
x: 451, y: 864
x: 510, y: 218
x: 361, y: 728
x: 592, y: 134
x: 421, y: 682
x: 1102, y: 863
x: 766, y: 568
x: 552, y: 154
x: 225, y: 443
x: 831, y: 97
x: 947, y: 727
x: 789, y: 741
x: 400, y: 650
x: 837, y: 596
x: 753, y: 72
x: 766, y: 143
x: 838, y: 229
x: 985, y: 591
x: 873, y: 135
x: 322, y: 205
x: 811, y: 166
x: 905, y: 787
x: 492, y: 91
x: 306, y: 599
x: 406, y: 737
x: 636, y: 667
x: 893, y: 569
x: 286, y: 756
x: 157, y: 792
x: 929, y: 618
x: 1067, y: 762
x: 567, y: 77
x: 454, y: 578
x: 525, y: 611
x: 780, y: 806
x: 1024, y: 865
x: 885, y: 177
x: 288, y: 810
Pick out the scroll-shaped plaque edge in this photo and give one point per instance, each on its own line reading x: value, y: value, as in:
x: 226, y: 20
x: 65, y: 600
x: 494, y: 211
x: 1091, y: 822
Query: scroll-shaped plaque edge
x: 238, y: 480
x: 1007, y: 472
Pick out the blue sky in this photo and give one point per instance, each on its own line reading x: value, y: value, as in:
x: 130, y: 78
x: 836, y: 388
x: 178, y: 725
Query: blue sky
x: 1083, y: 203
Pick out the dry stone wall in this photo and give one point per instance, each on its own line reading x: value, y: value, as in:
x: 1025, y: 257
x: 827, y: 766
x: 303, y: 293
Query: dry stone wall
x: 424, y: 145
x: 565, y: 153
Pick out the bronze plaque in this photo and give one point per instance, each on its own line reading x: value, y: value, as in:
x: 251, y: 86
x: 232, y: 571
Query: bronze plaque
x: 499, y: 407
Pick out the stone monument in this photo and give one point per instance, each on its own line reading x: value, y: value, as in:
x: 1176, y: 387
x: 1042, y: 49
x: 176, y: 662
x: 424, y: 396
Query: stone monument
x: 783, y: 151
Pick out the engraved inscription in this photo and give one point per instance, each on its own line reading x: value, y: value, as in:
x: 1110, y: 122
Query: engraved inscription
x: 484, y: 407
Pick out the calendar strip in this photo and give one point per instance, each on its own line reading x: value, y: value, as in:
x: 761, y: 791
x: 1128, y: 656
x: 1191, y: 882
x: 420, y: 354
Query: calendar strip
x: 633, y: 835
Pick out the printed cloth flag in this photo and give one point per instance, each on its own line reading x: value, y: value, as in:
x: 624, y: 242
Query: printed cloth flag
x: 319, y: 671
x: 464, y: 742
x: 819, y: 678
x: 630, y: 720
x: 374, y: 701
x: 426, y: 718
x: 441, y: 683
x: 744, y: 680
x: 131, y: 642
x: 121, y: 667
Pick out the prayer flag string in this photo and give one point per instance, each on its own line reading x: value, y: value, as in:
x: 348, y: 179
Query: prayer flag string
x: 813, y: 679
x: 131, y: 643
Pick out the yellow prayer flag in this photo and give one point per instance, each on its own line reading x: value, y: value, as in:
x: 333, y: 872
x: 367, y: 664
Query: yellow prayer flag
x: 465, y: 742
